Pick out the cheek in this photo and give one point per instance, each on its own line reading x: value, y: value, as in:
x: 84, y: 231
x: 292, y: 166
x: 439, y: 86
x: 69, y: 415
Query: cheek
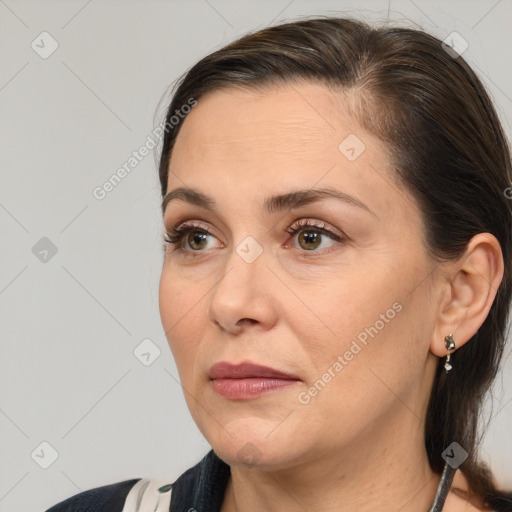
x: 362, y: 322
x: 179, y: 311
x: 345, y: 309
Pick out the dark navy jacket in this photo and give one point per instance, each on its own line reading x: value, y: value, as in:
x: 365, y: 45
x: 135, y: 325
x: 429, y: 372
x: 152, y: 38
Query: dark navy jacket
x: 201, y: 488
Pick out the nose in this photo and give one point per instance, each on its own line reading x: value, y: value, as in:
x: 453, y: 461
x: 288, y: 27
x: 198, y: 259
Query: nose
x: 243, y: 297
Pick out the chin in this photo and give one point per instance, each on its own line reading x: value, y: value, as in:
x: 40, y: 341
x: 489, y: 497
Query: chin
x: 251, y: 443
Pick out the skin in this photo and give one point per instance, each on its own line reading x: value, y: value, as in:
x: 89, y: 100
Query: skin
x: 358, y: 444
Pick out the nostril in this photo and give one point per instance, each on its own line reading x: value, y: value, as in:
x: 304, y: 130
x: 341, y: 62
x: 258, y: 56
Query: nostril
x: 250, y: 320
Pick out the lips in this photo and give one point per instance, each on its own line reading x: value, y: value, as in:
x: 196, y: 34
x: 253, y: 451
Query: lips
x: 225, y: 370
x: 248, y: 381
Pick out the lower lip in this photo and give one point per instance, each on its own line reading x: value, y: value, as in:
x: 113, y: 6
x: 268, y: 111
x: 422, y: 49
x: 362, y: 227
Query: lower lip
x: 253, y: 387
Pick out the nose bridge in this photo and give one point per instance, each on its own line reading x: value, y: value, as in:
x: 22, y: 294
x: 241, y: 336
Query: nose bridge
x: 238, y: 293
x: 244, y: 266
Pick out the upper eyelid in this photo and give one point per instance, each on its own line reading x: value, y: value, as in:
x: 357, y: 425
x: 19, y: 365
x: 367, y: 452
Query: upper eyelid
x: 192, y: 224
x: 300, y: 223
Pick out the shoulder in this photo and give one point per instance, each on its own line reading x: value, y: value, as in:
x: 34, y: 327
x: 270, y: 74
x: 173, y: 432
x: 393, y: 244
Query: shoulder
x: 203, y: 483
x: 107, y: 498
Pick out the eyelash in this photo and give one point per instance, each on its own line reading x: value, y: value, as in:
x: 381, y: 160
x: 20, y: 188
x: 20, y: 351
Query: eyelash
x: 178, y: 234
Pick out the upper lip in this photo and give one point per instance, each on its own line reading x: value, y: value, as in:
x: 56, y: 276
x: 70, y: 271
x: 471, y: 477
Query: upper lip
x: 245, y: 370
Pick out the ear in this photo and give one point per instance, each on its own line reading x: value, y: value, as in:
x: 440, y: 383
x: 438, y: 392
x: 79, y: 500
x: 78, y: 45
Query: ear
x: 470, y: 288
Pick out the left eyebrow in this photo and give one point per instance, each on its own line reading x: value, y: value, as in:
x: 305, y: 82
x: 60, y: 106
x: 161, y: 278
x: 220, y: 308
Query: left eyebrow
x: 290, y: 200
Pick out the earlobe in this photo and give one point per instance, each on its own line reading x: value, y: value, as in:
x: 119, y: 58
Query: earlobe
x: 475, y: 280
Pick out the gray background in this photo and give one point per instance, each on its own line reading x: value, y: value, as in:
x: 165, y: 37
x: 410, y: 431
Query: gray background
x: 70, y: 324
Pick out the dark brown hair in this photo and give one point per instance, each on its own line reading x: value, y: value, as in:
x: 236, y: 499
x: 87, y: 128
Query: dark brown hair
x: 449, y: 151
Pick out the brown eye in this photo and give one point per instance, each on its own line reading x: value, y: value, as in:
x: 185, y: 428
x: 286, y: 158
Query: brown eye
x: 309, y: 239
x: 189, y: 238
x: 196, y: 240
x: 311, y: 235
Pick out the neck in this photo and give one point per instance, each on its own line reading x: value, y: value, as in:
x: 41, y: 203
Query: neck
x: 380, y: 471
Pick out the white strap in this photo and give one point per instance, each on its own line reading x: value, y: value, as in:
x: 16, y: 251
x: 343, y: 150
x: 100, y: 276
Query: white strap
x: 144, y: 497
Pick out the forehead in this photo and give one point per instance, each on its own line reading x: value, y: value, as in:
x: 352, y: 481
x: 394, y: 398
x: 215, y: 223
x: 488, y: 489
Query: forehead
x: 300, y: 128
x: 300, y: 118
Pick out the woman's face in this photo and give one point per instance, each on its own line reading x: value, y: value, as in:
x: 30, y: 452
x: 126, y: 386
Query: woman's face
x: 348, y: 315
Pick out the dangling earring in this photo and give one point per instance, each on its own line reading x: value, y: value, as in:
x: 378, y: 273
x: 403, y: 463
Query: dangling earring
x: 450, y: 346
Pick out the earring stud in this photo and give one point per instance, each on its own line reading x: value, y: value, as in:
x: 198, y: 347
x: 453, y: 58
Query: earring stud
x: 450, y: 346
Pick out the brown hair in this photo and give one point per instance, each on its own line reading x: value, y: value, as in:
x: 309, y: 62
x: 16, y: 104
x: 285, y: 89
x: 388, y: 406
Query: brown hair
x: 449, y: 151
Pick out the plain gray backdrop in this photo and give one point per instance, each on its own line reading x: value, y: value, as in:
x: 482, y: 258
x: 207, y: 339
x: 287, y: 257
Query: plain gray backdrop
x: 79, y: 276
